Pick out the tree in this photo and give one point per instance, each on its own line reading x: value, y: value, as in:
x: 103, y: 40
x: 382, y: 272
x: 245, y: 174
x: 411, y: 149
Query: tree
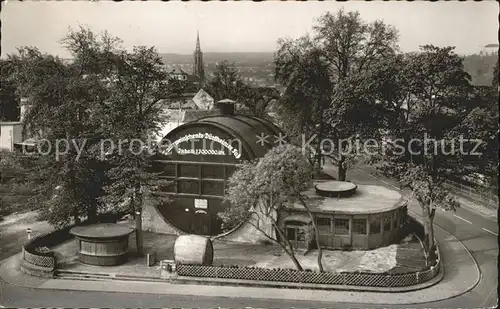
x: 59, y: 103
x: 226, y: 83
x: 439, y: 86
x: 132, y: 116
x: 261, y: 189
x: 301, y: 67
x: 330, y: 72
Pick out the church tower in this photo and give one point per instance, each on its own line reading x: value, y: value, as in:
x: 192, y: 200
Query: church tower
x: 199, y: 70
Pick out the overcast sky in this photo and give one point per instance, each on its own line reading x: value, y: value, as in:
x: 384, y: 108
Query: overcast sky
x: 240, y: 27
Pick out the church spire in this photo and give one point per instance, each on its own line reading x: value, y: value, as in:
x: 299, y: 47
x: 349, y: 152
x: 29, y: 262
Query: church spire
x: 198, y: 48
x: 199, y: 70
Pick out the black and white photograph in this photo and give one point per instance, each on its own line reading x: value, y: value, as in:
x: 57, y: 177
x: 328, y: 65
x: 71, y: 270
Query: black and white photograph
x: 244, y: 154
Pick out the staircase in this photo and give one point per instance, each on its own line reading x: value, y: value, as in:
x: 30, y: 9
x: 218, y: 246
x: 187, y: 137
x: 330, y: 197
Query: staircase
x: 87, y: 276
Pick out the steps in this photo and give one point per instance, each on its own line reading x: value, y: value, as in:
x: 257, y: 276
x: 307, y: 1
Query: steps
x: 75, y: 275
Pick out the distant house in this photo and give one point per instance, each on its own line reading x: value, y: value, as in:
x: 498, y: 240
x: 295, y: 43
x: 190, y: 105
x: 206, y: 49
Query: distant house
x: 184, y: 108
x: 10, y: 135
x: 181, y: 75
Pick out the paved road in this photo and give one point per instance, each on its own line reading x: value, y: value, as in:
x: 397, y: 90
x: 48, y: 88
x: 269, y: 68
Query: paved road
x: 477, y: 233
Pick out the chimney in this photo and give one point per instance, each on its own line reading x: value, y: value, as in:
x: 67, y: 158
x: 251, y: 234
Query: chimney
x: 225, y: 107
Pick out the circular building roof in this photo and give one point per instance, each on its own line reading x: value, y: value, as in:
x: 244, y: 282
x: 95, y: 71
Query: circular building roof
x: 335, y: 188
x: 102, y: 230
x: 368, y: 199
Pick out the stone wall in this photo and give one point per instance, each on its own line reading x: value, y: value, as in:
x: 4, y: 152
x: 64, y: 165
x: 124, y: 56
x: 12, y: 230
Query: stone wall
x: 153, y: 221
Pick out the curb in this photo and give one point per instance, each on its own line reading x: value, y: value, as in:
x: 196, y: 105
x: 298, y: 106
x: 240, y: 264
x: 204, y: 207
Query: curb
x: 478, y: 269
x: 251, y: 283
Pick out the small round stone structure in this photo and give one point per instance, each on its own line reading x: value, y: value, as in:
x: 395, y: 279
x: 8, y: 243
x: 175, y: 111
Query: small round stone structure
x: 103, y: 244
x: 336, y: 189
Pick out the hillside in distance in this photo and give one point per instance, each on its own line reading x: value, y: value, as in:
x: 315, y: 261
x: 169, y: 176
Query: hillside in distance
x: 481, y: 67
x: 260, y: 65
x: 247, y: 58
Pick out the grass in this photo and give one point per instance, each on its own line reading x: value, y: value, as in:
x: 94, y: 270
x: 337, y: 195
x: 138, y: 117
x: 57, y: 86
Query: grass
x: 13, y: 199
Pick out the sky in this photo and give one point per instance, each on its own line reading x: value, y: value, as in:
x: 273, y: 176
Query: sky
x: 242, y: 26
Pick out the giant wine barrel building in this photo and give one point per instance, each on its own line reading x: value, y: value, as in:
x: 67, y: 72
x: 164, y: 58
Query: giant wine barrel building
x: 198, y: 158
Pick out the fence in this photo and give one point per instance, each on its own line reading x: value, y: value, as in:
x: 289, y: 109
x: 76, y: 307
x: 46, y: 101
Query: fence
x: 34, y: 256
x: 475, y: 193
x: 294, y: 276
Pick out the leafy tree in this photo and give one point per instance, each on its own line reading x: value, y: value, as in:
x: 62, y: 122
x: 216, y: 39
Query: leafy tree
x: 301, y: 67
x: 133, y: 117
x: 226, y: 83
x: 494, y: 82
x: 262, y: 189
x: 439, y: 86
x: 104, y: 93
x: 59, y: 103
x: 330, y: 73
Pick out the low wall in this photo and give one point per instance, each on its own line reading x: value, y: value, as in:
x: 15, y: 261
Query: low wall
x: 42, y: 263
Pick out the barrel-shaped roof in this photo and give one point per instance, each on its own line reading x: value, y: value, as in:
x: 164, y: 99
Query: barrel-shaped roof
x: 257, y: 134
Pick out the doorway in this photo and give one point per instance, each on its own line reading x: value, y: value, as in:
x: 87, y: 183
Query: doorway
x: 297, y: 237
x: 201, y: 223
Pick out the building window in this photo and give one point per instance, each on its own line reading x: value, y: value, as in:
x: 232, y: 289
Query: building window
x: 324, y: 225
x: 387, y: 222
x: 374, y: 225
x: 290, y: 233
x: 189, y: 170
x: 212, y: 188
x: 168, y: 170
x: 395, y: 218
x: 341, y: 226
x: 188, y: 186
x: 212, y: 171
x: 359, y: 226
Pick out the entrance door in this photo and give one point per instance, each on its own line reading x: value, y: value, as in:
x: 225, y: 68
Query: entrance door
x: 297, y: 237
x: 291, y: 236
x: 201, y: 224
